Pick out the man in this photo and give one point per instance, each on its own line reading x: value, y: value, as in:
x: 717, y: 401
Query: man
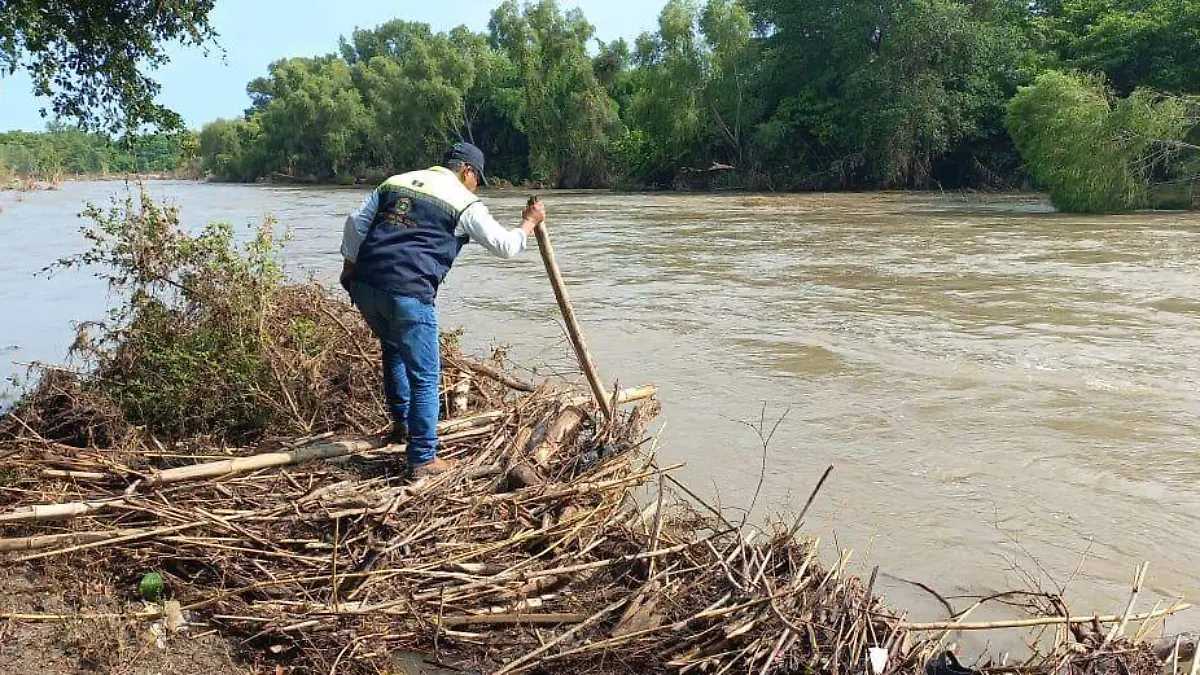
x: 398, y: 246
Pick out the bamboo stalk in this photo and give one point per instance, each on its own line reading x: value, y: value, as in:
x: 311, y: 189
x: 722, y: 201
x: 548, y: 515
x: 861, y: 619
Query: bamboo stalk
x: 53, y: 618
x: 141, y: 534
x: 1138, y: 578
x: 48, y: 540
x: 299, y: 456
x: 495, y: 373
x: 79, y: 475
x: 622, y: 396
x: 267, y: 460
x: 807, y: 504
x: 40, y: 512
x: 523, y: 662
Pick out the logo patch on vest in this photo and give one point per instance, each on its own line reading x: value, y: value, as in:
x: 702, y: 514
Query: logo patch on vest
x: 398, y: 214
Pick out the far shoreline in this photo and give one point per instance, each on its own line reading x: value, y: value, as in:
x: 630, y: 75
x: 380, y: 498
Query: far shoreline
x: 505, y: 189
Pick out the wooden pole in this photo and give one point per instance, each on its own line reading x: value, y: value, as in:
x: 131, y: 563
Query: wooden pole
x: 568, y: 313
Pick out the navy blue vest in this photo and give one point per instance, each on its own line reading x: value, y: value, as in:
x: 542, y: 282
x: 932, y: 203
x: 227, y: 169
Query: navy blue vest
x: 411, y: 244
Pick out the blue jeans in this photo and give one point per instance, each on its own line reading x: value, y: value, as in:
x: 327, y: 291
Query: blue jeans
x: 408, y: 332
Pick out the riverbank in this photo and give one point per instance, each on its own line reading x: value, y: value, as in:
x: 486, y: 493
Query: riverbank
x: 28, y: 185
x: 500, y: 188
x: 558, y: 545
x: 33, y: 183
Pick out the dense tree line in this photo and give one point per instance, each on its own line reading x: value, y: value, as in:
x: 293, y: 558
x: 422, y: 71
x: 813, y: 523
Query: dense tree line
x: 773, y: 94
x: 1093, y: 100
x: 68, y: 151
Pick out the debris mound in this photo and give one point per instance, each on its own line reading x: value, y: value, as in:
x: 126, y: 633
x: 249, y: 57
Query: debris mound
x: 557, y: 545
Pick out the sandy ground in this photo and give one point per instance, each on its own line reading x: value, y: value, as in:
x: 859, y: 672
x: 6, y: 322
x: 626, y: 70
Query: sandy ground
x: 106, y: 645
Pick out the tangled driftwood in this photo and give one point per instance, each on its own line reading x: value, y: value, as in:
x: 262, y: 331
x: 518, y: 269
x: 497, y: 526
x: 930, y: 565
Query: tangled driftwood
x: 533, y: 555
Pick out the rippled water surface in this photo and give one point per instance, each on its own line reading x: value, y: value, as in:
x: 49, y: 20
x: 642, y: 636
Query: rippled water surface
x: 1005, y: 392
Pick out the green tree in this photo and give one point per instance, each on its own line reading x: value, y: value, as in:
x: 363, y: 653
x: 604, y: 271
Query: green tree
x: 693, y: 102
x: 418, y: 91
x: 613, y: 66
x: 311, y: 118
x: 876, y: 93
x: 491, y: 104
x: 1094, y: 152
x: 62, y: 149
x: 90, y: 58
x: 735, y: 106
x: 667, y: 111
x: 564, y: 111
x: 1135, y: 43
x: 230, y: 150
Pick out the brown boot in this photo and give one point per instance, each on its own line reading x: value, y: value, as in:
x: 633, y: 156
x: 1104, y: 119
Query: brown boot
x: 433, y: 467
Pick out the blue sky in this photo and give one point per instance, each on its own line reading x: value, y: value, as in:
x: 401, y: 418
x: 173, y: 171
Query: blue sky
x: 253, y: 33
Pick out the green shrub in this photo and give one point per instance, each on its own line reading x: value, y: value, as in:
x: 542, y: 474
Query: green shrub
x: 209, y: 339
x: 185, y: 354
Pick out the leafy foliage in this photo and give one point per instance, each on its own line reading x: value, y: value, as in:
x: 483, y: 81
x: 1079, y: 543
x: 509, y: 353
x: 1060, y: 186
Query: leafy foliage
x: 90, y: 58
x: 877, y: 93
x: 231, y: 150
x: 64, y: 150
x: 185, y: 354
x: 560, y: 105
x: 208, y: 339
x: 1094, y: 152
x: 315, y: 101
x: 1135, y: 43
x: 766, y: 94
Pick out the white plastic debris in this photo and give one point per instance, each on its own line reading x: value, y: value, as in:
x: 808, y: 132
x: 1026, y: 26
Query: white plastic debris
x: 879, y: 659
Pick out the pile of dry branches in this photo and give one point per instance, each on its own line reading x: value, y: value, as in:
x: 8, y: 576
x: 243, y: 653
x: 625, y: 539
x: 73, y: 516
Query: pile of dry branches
x: 534, y: 555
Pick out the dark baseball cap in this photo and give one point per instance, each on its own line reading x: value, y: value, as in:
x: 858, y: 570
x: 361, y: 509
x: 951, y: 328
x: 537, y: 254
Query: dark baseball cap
x: 470, y: 155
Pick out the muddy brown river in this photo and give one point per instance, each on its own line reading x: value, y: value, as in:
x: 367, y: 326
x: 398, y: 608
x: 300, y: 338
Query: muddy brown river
x: 1009, y: 396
